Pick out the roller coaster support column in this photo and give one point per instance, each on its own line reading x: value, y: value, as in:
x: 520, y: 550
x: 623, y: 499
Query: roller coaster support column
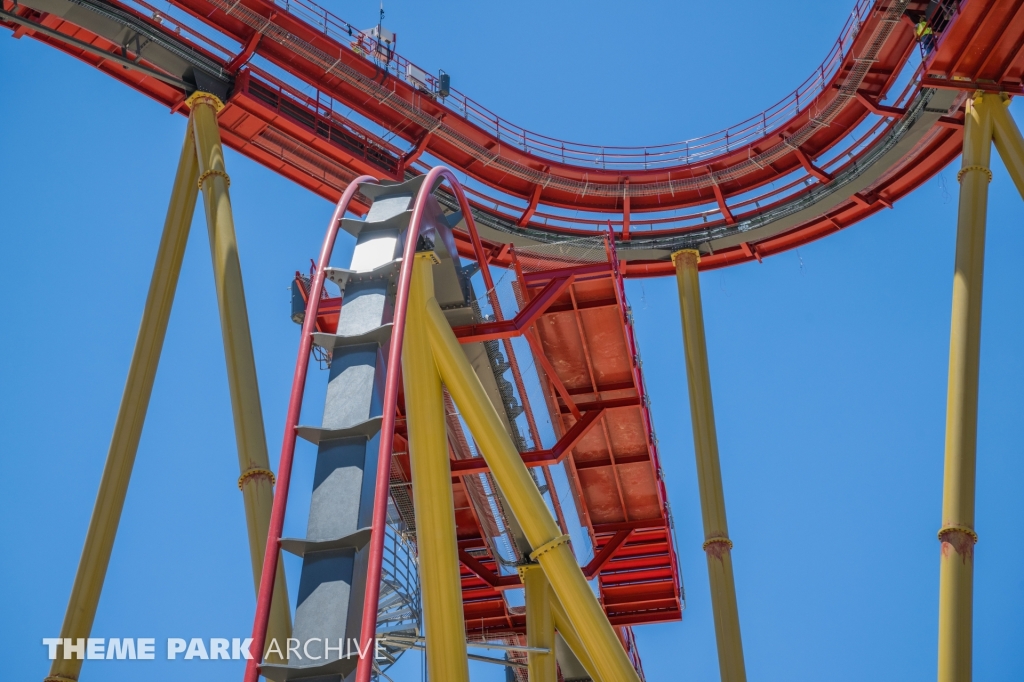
x: 540, y: 628
x: 572, y: 638
x: 717, y: 545
x: 441, y: 588
x: 1009, y: 143
x: 956, y: 574
x: 256, y: 480
x: 550, y: 548
x: 99, y: 541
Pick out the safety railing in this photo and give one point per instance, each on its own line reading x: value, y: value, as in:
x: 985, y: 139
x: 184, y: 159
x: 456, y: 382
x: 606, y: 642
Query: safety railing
x: 617, y: 158
x: 774, y: 194
x: 386, y: 156
x: 318, y: 116
x: 614, y: 158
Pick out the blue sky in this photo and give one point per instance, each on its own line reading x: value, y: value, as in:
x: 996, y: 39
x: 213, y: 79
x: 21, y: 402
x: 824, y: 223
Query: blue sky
x: 828, y: 363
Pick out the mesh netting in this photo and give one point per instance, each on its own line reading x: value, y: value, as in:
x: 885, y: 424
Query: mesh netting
x: 567, y: 254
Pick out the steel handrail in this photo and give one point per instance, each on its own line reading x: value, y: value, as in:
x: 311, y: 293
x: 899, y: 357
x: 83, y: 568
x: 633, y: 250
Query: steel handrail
x: 726, y: 140
x: 674, y: 224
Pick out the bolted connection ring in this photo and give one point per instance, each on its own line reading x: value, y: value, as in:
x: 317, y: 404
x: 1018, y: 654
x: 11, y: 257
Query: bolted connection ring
x: 974, y: 168
x: 712, y: 541
x: 686, y: 252
x: 200, y: 97
x: 959, y: 529
x: 548, y: 546
x: 252, y: 473
x: 202, y: 178
x: 521, y: 569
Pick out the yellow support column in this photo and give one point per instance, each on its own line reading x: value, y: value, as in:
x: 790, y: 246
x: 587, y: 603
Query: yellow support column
x: 540, y: 627
x: 99, y: 541
x: 256, y: 480
x: 550, y: 548
x: 956, y: 574
x: 443, y: 621
x: 571, y: 637
x: 717, y: 545
x: 1009, y: 142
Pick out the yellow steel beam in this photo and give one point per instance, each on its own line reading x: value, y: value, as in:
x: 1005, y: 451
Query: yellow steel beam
x: 569, y: 634
x: 540, y: 627
x: 440, y: 584
x: 1009, y: 142
x: 92, y: 567
x: 956, y: 573
x: 550, y: 547
x: 717, y: 545
x: 256, y: 480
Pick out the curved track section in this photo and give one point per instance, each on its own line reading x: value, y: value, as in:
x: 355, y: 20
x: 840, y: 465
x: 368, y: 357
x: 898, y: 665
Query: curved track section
x: 825, y: 157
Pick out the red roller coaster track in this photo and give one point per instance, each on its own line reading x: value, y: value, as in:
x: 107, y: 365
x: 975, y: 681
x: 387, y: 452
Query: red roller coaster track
x: 828, y: 155
x: 830, y: 151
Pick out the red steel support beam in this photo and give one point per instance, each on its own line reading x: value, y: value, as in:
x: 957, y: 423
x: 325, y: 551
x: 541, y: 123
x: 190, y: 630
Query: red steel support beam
x: 750, y: 251
x: 549, y: 370
x: 247, y: 51
x: 498, y: 582
x: 726, y: 213
x: 503, y: 329
x: 536, y: 458
x: 616, y: 526
x: 874, y: 107
x: 605, y: 555
x: 524, y: 219
x: 805, y: 161
x: 606, y: 404
x: 421, y: 145
x: 971, y: 86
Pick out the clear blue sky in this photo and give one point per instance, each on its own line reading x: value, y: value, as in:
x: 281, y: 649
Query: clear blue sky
x: 828, y: 364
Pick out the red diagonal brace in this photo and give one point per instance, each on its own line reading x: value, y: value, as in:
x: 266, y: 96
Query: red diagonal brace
x: 537, y: 458
x: 247, y: 51
x: 872, y: 105
x: 528, y: 213
x: 726, y: 213
x: 605, y: 555
x: 490, y: 577
x: 421, y: 145
x: 810, y: 167
x: 503, y: 329
x: 538, y: 354
x: 750, y: 251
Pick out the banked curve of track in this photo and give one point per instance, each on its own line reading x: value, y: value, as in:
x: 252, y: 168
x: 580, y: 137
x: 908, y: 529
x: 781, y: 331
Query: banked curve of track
x: 436, y: 126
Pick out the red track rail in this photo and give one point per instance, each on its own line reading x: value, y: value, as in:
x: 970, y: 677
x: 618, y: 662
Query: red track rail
x: 305, y: 139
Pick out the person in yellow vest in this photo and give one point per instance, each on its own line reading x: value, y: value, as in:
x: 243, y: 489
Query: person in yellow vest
x: 924, y: 35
